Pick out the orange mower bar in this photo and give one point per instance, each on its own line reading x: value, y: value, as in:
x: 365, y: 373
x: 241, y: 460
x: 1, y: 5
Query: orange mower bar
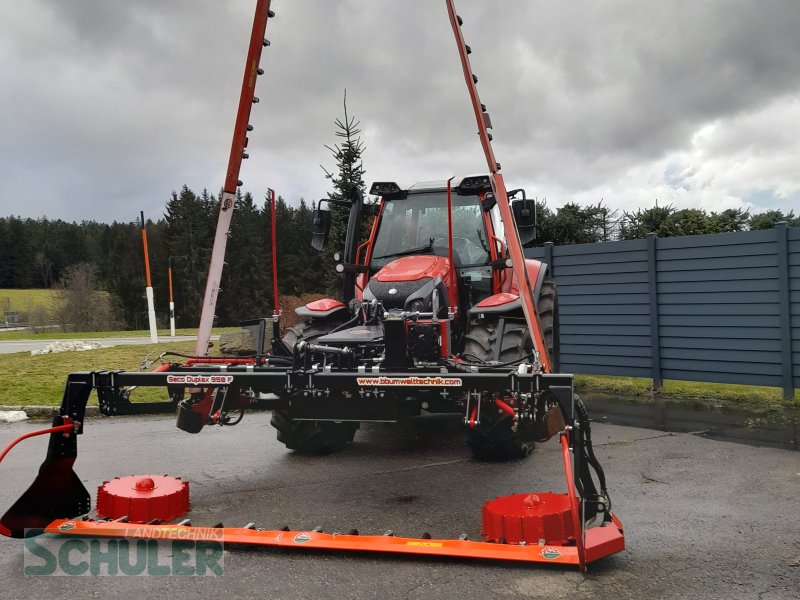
x: 584, y: 545
x: 510, y: 523
x: 600, y: 541
x: 578, y: 525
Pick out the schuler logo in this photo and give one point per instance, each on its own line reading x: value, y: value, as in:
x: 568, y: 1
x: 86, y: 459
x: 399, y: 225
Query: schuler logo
x: 46, y: 555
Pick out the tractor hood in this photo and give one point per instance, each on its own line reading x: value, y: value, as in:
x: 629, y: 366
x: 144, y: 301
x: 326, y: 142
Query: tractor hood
x: 414, y: 268
x: 408, y: 283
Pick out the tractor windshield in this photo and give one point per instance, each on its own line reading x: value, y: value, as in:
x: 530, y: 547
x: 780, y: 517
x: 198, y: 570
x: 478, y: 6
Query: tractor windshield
x: 418, y: 224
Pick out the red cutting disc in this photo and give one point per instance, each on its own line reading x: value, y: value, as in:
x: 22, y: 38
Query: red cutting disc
x: 544, y: 518
x: 143, y: 498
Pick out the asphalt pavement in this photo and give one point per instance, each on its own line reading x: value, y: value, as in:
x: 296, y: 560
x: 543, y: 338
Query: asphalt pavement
x: 11, y: 346
x: 703, y: 518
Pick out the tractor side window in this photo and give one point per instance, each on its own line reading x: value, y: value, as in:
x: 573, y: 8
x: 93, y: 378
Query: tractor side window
x: 390, y: 230
x: 497, y: 224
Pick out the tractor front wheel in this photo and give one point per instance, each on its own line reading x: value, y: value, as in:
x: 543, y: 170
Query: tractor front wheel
x: 311, y: 437
x: 497, y: 437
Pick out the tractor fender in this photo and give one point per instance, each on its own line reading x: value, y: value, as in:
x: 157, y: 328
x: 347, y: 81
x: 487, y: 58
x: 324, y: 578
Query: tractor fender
x: 503, y: 302
x: 319, y: 309
x: 508, y: 301
x: 537, y: 271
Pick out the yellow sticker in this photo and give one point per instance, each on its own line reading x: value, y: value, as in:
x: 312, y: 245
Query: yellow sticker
x: 431, y: 544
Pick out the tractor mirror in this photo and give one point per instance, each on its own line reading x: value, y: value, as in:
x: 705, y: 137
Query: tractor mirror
x: 320, y: 224
x: 525, y: 219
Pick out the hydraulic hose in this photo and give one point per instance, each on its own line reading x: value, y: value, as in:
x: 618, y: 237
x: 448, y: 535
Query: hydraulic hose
x: 345, y: 324
x: 68, y: 425
x: 582, y: 416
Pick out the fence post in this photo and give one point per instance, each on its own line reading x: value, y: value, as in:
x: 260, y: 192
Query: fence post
x: 655, y: 342
x: 548, y: 256
x: 784, y: 309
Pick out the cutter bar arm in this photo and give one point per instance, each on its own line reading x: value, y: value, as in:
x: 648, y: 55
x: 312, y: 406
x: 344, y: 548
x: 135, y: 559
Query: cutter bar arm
x: 237, y: 154
x: 513, y: 242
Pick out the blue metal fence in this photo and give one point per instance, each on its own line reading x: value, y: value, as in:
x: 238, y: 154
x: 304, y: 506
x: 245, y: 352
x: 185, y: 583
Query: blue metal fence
x: 718, y: 308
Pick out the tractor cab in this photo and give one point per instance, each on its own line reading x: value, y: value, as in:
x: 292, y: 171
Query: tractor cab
x: 432, y: 274
x: 410, y: 243
x: 416, y: 225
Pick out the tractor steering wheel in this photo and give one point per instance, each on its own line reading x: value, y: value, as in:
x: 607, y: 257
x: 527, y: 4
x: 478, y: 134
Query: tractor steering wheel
x: 468, y: 251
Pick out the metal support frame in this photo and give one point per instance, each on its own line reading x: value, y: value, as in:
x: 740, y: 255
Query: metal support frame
x: 655, y: 337
x: 281, y: 379
x: 784, y: 305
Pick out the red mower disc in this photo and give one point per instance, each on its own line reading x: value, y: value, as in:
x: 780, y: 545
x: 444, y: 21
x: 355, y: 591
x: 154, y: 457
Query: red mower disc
x: 544, y: 518
x: 143, y: 498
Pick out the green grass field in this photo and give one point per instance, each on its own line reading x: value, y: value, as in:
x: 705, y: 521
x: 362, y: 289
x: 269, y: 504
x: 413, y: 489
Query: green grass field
x: 25, y: 300
x: 745, y: 395
x: 40, y: 379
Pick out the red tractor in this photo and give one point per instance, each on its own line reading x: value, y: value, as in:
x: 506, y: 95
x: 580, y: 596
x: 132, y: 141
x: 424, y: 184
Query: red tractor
x: 440, y: 312
x: 415, y: 303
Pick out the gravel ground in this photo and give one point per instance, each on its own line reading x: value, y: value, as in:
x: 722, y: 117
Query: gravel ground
x: 11, y: 346
x: 703, y: 518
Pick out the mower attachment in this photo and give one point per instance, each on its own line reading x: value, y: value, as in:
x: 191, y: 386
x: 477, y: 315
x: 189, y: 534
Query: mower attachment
x: 559, y: 544
x: 530, y: 528
x: 525, y: 528
x: 600, y: 541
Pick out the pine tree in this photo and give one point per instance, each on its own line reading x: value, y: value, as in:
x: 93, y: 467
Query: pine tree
x: 636, y: 225
x: 244, y: 279
x: 350, y: 172
x: 189, y: 236
x: 121, y: 271
x: 768, y: 219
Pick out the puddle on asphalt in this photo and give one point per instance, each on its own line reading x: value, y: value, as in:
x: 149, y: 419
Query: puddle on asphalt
x: 778, y: 428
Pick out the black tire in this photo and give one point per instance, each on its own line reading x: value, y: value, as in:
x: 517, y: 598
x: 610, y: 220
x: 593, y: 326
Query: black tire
x: 480, y: 342
x: 311, y: 437
x: 495, y: 438
x: 547, y: 307
x: 308, y: 331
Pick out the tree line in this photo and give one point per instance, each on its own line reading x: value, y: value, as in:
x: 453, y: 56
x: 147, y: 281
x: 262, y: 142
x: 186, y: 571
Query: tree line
x: 44, y: 253
x: 576, y: 224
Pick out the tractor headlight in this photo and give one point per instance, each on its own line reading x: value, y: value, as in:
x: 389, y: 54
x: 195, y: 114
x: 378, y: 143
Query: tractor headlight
x: 415, y: 306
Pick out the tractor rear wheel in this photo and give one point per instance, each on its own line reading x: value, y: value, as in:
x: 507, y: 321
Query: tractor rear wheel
x: 311, y: 437
x: 547, y: 307
x: 496, y: 438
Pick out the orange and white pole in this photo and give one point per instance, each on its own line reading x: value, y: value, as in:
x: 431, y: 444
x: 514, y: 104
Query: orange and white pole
x: 171, y: 301
x: 151, y: 308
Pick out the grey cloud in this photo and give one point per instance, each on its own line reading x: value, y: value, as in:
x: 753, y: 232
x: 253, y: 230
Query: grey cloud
x: 107, y: 106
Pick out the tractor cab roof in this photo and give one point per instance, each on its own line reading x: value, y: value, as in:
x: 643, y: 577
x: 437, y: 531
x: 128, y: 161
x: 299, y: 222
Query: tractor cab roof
x: 464, y: 186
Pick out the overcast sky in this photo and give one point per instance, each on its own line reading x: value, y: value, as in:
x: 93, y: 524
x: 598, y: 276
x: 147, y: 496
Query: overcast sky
x: 107, y: 106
